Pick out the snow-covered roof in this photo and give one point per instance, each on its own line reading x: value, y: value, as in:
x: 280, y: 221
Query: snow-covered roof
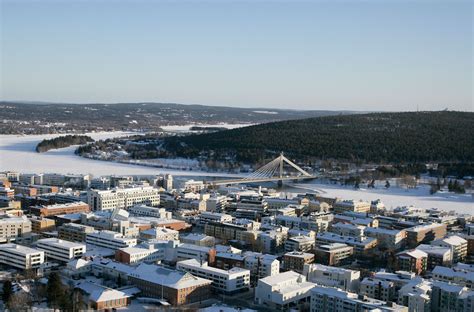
x: 169, y: 278
x: 415, y: 253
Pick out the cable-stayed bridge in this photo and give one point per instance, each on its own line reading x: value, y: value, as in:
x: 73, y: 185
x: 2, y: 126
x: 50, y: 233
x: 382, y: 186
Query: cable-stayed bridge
x: 272, y: 171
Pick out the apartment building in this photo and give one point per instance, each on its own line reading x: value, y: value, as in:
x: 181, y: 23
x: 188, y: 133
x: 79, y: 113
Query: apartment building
x: 74, y: 232
x: 40, y: 224
x: 216, y: 203
x: 194, y: 186
x: 295, y: 260
x: 159, y: 233
x: 334, y: 254
x: 415, y: 261
x: 21, y: 257
x: 425, y: 233
x: 61, y: 250
x: 456, y: 244
x: 459, y: 275
x: 109, y: 239
x: 363, y: 246
x: 416, y: 296
x: 356, y: 219
x: 273, y: 240
x: 316, y: 222
x: 332, y: 299
x: 14, y: 228
x: 229, y: 231
x: 223, y: 281
x: 348, y: 229
x: 198, y: 239
x: 332, y: 276
x: 7, y: 192
x: 282, y: 290
x: 377, y: 289
x: 387, y: 239
x: 450, y: 297
x: 140, y: 253
x: 199, y: 253
x: 437, y: 255
x: 278, y: 203
x: 341, y: 206
x: 206, y: 217
x: 300, y: 243
x: 147, y: 211
x: 261, y: 265
x: 123, y: 198
x: 59, y: 209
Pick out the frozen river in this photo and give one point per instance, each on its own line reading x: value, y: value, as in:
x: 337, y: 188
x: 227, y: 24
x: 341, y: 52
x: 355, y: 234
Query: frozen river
x: 17, y: 153
x: 395, y: 196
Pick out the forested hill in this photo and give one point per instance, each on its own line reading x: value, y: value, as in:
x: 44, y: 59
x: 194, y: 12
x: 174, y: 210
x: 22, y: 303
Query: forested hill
x: 378, y: 137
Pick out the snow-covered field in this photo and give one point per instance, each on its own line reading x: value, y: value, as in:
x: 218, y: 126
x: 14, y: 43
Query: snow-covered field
x: 17, y: 153
x: 396, y: 196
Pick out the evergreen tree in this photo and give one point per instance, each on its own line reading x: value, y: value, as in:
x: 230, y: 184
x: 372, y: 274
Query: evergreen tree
x: 7, y: 291
x: 55, y: 291
x: 450, y: 186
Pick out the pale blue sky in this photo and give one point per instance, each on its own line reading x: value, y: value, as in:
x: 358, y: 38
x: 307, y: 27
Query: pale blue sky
x: 358, y: 55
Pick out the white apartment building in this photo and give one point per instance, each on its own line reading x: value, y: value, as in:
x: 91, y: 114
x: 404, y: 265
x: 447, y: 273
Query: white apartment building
x: 21, y: 257
x: 454, y: 275
x: 361, y: 244
x: 390, y: 239
x: 159, y: 233
x: 457, y: 244
x: 207, y: 216
x: 273, y: 240
x: 140, y: 253
x: 348, y: 229
x: 281, y: 290
x: 189, y: 251
x: 109, y: 239
x: 261, y: 265
x: 416, y: 296
x: 12, y: 228
x: 277, y: 203
x: 61, y: 250
x: 123, y: 198
x: 226, y: 281
x: 149, y: 252
x: 300, y: 243
x: 377, y: 289
x: 147, y: 211
x: 336, y: 300
x: 351, y: 205
x: 216, y: 203
x: 194, y: 186
x: 198, y: 239
x: 332, y: 276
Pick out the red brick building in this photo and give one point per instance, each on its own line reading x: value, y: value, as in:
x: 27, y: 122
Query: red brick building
x: 59, y: 209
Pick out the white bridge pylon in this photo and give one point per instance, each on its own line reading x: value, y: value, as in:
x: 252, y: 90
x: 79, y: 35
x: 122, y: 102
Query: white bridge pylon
x: 272, y: 171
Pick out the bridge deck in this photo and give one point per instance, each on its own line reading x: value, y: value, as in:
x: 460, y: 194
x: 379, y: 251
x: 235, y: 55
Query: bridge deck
x: 240, y: 181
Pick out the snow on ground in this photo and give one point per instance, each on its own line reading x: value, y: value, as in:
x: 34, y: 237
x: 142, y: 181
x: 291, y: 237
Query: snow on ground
x: 17, y: 153
x: 396, y: 196
x: 186, y: 128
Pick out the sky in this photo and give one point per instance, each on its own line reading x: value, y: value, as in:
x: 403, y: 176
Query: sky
x: 394, y: 55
